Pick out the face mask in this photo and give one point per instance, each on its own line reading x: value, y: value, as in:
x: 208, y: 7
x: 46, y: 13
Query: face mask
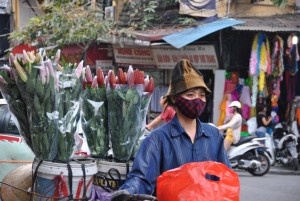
x: 231, y: 110
x: 190, y: 108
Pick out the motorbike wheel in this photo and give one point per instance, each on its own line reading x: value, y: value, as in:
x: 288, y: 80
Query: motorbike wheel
x: 295, y: 164
x: 265, y: 164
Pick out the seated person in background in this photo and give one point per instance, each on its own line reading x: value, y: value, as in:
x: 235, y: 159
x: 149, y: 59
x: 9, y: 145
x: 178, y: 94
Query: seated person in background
x: 166, y: 115
x: 262, y: 120
x: 233, y: 133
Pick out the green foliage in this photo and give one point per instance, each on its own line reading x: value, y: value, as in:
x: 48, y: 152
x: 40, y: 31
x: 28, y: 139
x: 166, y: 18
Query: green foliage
x: 280, y: 3
x: 66, y: 22
x: 185, y: 20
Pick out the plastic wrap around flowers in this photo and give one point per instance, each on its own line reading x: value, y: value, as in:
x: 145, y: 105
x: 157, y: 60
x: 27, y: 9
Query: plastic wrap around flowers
x: 44, y: 98
x: 128, y: 98
x: 94, y: 113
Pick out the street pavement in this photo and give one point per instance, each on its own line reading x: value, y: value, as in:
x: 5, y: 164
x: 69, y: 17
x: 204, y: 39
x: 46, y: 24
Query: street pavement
x: 277, y: 169
x: 280, y: 170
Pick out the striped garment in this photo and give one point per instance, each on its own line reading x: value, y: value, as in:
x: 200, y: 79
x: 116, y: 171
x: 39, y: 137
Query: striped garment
x: 169, y: 147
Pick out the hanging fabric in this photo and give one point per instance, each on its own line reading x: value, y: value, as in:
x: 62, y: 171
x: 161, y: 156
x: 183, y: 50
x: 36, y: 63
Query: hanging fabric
x: 290, y: 85
x: 260, y: 59
x: 253, y: 57
x: 260, y: 65
x: 261, y: 81
x: 222, y: 111
x: 254, y: 90
x: 277, y: 67
x: 291, y: 56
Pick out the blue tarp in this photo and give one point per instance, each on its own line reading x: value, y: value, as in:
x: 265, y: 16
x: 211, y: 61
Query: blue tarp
x: 182, y: 38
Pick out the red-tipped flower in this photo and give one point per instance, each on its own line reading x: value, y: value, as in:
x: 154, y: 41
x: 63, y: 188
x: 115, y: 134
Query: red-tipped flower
x: 112, y: 79
x: 130, y: 76
x: 94, y: 83
x: 150, y: 87
x: 141, y: 77
x: 88, y: 75
x: 57, y: 56
x: 79, y: 69
x: 121, y: 76
x: 100, y: 77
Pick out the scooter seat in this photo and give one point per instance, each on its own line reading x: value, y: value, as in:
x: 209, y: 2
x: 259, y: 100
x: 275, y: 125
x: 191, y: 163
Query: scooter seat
x: 244, y: 140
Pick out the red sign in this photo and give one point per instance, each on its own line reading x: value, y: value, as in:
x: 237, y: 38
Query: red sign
x: 135, y: 56
x: 19, y: 49
x: 73, y: 53
x: 10, y: 138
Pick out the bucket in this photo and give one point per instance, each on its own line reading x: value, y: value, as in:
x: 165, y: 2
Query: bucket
x: 111, y: 175
x: 53, y: 181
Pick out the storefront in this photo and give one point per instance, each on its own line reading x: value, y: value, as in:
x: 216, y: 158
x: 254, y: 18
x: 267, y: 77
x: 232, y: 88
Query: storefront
x: 263, y: 67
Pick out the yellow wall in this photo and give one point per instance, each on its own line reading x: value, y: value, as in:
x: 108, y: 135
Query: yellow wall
x: 244, y: 8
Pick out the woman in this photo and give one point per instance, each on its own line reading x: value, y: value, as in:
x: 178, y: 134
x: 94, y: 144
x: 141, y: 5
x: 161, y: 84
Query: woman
x: 183, y: 140
x: 166, y: 115
x: 233, y: 127
x: 262, y: 120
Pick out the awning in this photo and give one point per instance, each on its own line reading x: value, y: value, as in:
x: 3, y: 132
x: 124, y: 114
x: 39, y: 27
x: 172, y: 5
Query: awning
x: 182, y: 38
x: 275, y: 23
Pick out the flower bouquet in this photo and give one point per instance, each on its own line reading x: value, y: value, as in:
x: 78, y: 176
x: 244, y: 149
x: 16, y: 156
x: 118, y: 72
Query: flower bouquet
x: 44, y: 98
x: 145, y: 101
x: 126, y: 110
x: 94, y: 113
x: 68, y: 103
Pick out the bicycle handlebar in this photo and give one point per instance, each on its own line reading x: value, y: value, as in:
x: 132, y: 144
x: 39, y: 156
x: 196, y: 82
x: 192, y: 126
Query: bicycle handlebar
x: 142, y: 197
x: 124, y: 195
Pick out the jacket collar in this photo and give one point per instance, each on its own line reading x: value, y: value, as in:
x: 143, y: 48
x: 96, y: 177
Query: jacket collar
x: 177, y: 129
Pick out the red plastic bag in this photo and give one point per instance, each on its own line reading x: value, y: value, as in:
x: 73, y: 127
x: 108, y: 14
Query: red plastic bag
x: 189, y: 183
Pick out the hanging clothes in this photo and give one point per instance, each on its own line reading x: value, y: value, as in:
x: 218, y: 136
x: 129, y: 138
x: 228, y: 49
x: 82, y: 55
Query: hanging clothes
x: 260, y: 65
x: 290, y: 81
x: 277, y: 66
x: 291, y: 57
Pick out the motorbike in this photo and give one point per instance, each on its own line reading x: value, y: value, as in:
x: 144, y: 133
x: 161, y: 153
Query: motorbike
x: 282, y: 147
x: 122, y: 195
x: 249, y: 154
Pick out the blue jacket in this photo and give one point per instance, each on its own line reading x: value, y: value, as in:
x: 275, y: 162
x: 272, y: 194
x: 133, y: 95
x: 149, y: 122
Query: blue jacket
x: 169, y: 147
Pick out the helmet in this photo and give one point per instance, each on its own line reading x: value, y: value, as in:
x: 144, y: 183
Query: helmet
x: 235, y: 104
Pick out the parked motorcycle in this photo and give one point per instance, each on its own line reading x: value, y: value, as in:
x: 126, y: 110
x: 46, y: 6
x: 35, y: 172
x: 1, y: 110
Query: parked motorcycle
x: 251, y: 155
x: 282, y: 147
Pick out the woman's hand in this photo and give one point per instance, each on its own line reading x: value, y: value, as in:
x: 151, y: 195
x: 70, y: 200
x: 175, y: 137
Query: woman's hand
x: 267, y: 120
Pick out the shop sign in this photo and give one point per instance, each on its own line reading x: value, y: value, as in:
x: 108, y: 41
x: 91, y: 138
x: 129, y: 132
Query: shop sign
x: 201, y: 56
x: 139, y: 57
x: 105, y: 65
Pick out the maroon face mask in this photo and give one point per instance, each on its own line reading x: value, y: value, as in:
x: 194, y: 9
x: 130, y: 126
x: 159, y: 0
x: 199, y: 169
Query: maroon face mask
x: 190, y: 108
